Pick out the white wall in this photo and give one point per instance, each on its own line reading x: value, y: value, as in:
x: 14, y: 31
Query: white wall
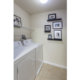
x: 53, y: 51
x: 25, y: 17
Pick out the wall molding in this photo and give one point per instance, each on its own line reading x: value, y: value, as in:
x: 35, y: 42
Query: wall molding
x: 54, y: 64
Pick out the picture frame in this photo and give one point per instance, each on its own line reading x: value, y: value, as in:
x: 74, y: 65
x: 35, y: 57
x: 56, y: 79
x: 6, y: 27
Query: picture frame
x: 47, y: 28
x: 52, y: 16
x: 49, y: 36
x: 17, y: 21
x: 57, y: 25
x: 58, y: 34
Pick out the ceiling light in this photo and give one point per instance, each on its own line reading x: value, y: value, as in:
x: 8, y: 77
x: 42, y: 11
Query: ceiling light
x: 43, y: 1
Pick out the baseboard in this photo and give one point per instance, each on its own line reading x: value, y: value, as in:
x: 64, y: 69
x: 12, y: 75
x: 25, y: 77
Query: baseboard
x: 39, y: 68
x: 53, y: 64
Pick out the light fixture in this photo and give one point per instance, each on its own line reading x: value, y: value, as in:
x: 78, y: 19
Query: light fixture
x: 43, y: 1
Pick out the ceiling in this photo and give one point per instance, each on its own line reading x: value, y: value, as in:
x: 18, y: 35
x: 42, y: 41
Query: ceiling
x: 34, y: 6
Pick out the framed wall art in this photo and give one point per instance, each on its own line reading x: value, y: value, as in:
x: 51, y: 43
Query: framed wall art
x: 57, y: 25
x: 52, y: 16
x: 49, y: 36
x: 58, y: 34
x: 47, y: 28
x: 17, y: 21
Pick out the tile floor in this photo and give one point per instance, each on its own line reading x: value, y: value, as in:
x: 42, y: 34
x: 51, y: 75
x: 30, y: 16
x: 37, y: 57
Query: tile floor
x: 49, y: 72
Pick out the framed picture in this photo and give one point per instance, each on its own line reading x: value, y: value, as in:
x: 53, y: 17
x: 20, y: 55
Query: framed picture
x: 17, y: 21
x: 47, y: 28
x: 57, y: 25
x: 58, y: 34
x: 49, y: 36
x: 52, y: 16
